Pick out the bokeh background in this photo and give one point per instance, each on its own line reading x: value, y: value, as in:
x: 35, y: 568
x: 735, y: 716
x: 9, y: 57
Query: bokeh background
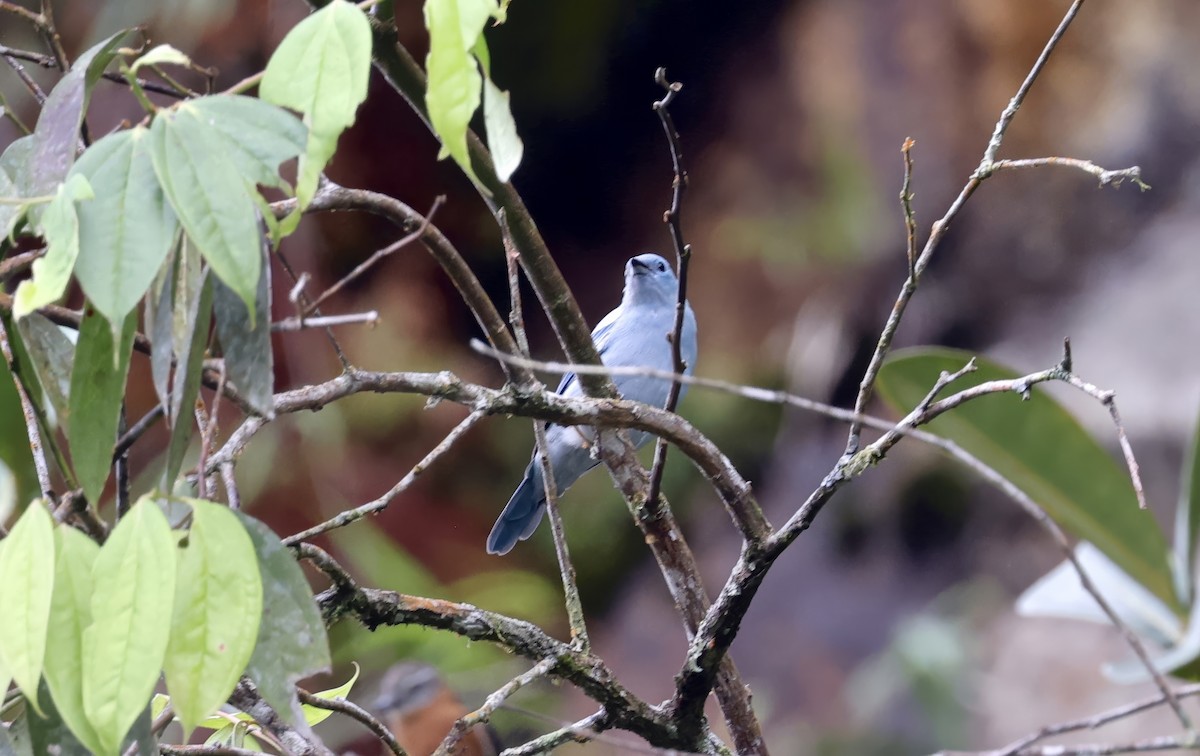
x: 888, y: 627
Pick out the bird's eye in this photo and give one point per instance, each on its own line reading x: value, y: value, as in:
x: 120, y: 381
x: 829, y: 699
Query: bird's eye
x: 662, y: 267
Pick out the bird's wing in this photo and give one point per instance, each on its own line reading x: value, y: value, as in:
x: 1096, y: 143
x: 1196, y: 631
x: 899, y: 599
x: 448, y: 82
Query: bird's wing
x: 602, y: 335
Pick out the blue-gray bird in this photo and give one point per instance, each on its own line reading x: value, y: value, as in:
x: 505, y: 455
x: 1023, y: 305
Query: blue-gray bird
x: 636, y: 334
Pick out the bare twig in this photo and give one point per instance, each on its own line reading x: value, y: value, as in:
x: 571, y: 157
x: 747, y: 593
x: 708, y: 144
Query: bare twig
x: 580, y: 732
x: 205, y: 750
x: 25, y: 78
x: 229, y: 479
x: 378, y: 505
x: 366, y: 265
x: 1104, y: 176
x: 566, y: 568
x: 47, y: 61
x: 906, y: 198
x: 19, y: 263
x: 121, y: 466
x: 137, y: 430
x: 355, y: 712
x: 370, y: 318
x: 1092, y: 722
x: 683, y: 255
x: 21, y: 11
x: 493, y: 702
x: 49, y: 30
x: 1149, y: 745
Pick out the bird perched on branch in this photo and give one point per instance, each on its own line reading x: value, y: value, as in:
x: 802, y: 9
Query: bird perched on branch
x: 419, y: 708
x: 636, y: 334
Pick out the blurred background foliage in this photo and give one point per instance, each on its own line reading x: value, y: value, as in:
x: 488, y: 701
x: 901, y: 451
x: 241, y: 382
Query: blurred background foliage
x: 888, y: 628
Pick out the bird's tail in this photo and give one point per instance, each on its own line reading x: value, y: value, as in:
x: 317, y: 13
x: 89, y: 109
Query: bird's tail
x: 521, y: 515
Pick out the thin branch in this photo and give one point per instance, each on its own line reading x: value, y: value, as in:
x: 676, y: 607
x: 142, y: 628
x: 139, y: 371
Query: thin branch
x: 322, y: 560
x: 1103, y: 175
x: 387, y: 251
x: 292, y: 324
x: 205, y: 750
x: 378, y: 505
x: 229, y: 480
x: 493, y: 702
x: 22, y: 12
x: 25, y: 78
x: 906, y: 198
x: 1149, y: 745
x: 580, y: 732
x: 47, y: 61
x: 121, y: 466
x: 355, y: 712
x: 137, y: 430
x: 1092, y: 722
x: 566, y: 568
x: 49, y: 30
x: 683, y: 255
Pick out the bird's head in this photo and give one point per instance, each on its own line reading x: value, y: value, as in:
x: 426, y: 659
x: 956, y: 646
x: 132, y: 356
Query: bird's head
x: 650, y: 280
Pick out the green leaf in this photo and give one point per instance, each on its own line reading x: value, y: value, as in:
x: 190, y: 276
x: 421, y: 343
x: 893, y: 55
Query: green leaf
x: 14, y: 440
x: 1187, y: 520
x: 209, y: 195
x: 127, y: 231
x: 314, y: 716
x: 26, y: 583
x: 60, y: 225
x: 1041, y: 448
x: 8, y: 503
x: 452, y: 95
x: 57, y: 130
x: 190, y: 280
x: 132, y: 601
x: 321, y: 69
x: 506, y: 147
x: 159, y: 320
x: 97, y: 389
x: 219, y: 602
x: 1059, y: 593
x: 51, y: 353
x: 292, y: 643
x: 160, y: 55
x: 258, y: 135
x: 246, y: 344
x: 70, y: 614
x: 14, y: 167
x: 186, y: 381
x: 9, y: 189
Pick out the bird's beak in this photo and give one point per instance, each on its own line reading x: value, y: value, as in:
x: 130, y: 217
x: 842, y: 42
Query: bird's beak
x: 636, y: 266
